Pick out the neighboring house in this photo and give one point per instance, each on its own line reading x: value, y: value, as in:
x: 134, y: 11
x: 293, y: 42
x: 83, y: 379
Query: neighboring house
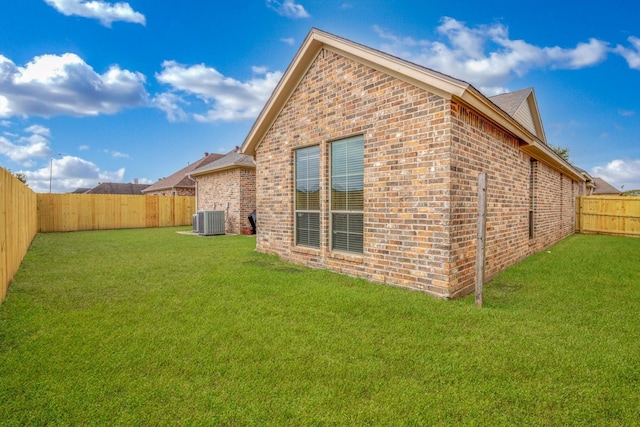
x: 228, y: 184
x: 118, y: 188
x: 368, y: 165
x: 603, y: 188
x: 179, y: 183
x: 587, y: 187
x: 80, y: 190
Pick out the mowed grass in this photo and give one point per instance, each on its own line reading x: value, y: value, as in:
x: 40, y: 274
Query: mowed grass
x: 151, y: 327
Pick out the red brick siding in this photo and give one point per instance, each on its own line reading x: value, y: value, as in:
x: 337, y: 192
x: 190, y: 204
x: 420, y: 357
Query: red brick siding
x: 480, y: 146
x: 422, y: 157
x: 174, y: 192
x: 232, y: 191
x: 406, y: 134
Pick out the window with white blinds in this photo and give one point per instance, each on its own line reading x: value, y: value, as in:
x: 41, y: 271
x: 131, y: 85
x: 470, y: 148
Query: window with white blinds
x: 347, y: 194
x: 307, y: 206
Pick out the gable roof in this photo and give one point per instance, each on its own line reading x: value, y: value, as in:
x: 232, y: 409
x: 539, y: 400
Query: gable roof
x: 522, y: 106
x: 118, y: 188
x: 180, y: 179
x: 233, y: 159
x: 603, y: 187
x: 445, y: 86
x: 80, y: 190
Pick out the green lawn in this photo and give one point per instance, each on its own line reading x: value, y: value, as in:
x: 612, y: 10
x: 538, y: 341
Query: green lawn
x: 151, y: 327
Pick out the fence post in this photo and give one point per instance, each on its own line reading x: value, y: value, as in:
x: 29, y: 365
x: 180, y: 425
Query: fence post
x: 482, y: 229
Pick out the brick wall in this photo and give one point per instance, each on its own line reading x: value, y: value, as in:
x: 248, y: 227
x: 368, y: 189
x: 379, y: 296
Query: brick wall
x: 174, y: 192
x: 232, y: 191
x: 406, y: 133
x: 422, y: 157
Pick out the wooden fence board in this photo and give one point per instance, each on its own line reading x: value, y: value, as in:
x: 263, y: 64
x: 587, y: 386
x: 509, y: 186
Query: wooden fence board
x: 73, y: 212
x: 18, y: 226
x: 617, y: 215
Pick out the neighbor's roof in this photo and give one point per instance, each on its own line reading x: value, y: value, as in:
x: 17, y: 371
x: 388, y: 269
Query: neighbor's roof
x: 419, y: 76
x: 234, y: 159
x: 80, y: 190
x: 181, y: 178
x: 117, y: 188
x: 603, y: 187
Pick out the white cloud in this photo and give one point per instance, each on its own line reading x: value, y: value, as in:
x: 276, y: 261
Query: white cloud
x: 620, y: 172
x: 631, y: 55
x: 259, y: 70
x: 288, y: 8
x: 83, y: 147
x: 224, y: 97
x: 26, y: 149
x: 69, y: 173
x: 486, y: 56
x: 288, y: 40
x: 626, y: 113
x: 39, y: 130
x: 119, y: 155
x: 105, y: 12
x: 52, y: 85
x: 170, y: 104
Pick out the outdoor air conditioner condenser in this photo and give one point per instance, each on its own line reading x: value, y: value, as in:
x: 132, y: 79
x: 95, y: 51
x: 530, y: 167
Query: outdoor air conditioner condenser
x: 210, y: 223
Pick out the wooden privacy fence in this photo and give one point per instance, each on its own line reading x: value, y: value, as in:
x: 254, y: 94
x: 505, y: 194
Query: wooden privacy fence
x: 617, y: 215
x: 18, y: 226
x: 73, y: 212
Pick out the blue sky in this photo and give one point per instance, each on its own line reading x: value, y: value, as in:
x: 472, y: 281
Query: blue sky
x: 107, y: 91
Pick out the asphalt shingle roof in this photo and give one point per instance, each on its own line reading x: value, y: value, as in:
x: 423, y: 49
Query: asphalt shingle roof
x: 233, y: 159
x: 180, y: 179
x: 511, y: 101
x: 117, y: 188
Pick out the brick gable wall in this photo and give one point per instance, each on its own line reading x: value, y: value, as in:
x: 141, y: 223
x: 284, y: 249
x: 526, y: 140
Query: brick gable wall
x: 406, y: 133
x: 422, y: 157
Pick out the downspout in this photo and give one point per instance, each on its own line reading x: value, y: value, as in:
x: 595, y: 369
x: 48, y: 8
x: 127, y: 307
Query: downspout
x: 196, y: 191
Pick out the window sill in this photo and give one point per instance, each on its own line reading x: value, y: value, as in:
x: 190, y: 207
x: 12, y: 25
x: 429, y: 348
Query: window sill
x: 307, y: 250
x: 345, y: 256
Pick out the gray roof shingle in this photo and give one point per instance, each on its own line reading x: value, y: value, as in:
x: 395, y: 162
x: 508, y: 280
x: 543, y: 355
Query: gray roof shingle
x: 510, y: 102
x: 180, y: 179
x: 231, y: 160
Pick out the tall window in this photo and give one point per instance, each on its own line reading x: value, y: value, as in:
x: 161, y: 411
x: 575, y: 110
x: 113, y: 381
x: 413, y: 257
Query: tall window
x: 307, y: 215
x: 347, y: 190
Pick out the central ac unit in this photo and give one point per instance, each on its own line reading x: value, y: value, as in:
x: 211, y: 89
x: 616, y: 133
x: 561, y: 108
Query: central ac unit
x: 210, y: 223
x: 194, y: 220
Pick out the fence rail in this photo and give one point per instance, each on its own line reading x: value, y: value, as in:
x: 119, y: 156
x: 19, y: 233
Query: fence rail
x: 617, y: 215
x: 18, y: 226
x: 74, y: 212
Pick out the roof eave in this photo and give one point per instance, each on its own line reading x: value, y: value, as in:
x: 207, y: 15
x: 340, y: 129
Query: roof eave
x: 543, y: 153
x: 222, y: 169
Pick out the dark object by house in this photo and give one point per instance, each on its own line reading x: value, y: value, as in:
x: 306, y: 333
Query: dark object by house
x: 252, y: 220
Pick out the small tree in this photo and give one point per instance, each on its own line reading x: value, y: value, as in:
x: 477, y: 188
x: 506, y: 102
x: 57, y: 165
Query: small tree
x: 561, y: 151
x: 21, y: 176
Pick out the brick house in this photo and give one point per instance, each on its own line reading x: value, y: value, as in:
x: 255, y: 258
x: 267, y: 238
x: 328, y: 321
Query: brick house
x: 228, y: 184
x: 179, y: 183
x: 368, y: 165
